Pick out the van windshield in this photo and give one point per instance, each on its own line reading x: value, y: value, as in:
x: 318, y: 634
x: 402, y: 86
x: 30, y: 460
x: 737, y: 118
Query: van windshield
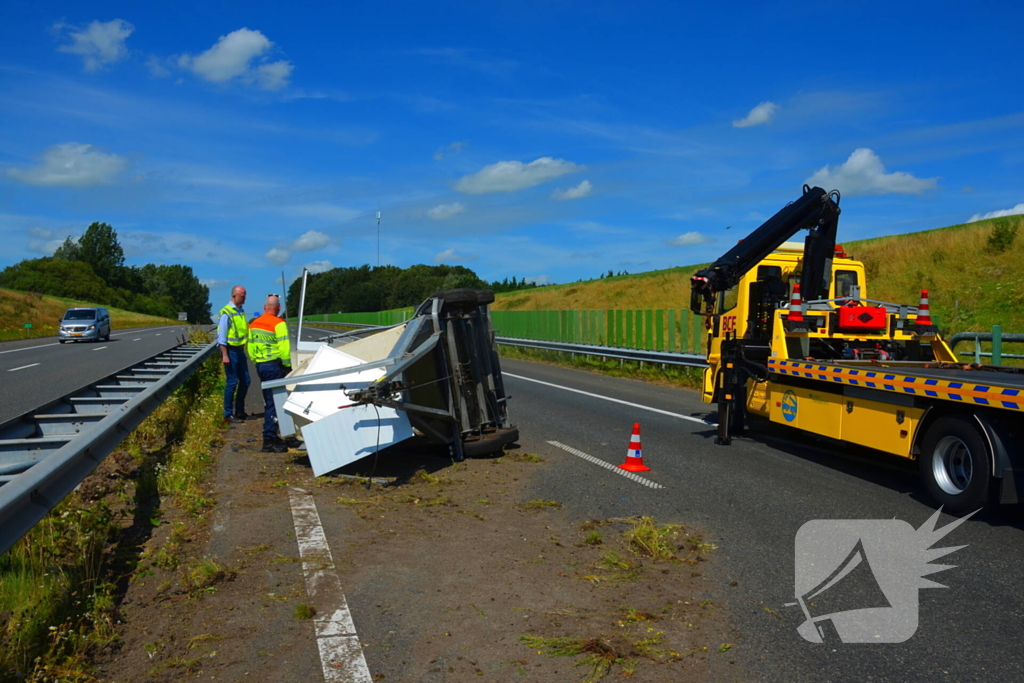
x: 80, y: 315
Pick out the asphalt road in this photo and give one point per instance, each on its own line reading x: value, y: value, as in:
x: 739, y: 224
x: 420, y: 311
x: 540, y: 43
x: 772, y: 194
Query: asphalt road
x: 36, y: 371
x: 751, y: 498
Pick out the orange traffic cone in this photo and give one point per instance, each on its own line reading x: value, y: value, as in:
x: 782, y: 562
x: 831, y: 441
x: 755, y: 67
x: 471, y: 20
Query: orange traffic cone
x: 634, y: 458
x: 796, y: 307
x: 924, y: 315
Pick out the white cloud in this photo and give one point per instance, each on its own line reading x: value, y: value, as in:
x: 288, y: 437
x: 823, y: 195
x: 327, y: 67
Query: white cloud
x: 98, y: 44
x: 449, y: 151
x: 864, y: 174
x: 1015, y: 211
x: 512, y: 176
x: 762, y: 113
x: 309, y: 241
x: 539, y: 280
x: 278, y: 256
x: 690, y: 239
x: 452, y: 256
x: 443, y: 211
x: 234, y: 56
x: 44, y: 241
x: 214, y: 283
x: 274, y: 75
x: 578, y: 192
x: 71, y: 164
x: 319, y: 266
x: 158, y: 67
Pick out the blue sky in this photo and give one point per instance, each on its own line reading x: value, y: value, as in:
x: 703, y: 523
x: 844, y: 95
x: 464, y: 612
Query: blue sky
x: 549, y: 140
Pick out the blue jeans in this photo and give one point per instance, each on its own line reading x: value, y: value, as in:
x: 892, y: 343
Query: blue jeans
x: 268, y: 371
x: 238, y: 378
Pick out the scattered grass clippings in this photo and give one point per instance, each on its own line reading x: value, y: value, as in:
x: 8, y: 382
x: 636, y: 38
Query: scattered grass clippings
x: 540, y: 504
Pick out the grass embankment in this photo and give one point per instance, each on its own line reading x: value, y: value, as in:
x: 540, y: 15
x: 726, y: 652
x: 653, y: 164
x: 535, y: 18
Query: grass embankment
x: 61, y: 584
x: 43, y: 311
x: 975, y: 274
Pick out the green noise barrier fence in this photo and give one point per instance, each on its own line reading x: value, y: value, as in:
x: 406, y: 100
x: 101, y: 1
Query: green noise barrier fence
x: 672, y: 329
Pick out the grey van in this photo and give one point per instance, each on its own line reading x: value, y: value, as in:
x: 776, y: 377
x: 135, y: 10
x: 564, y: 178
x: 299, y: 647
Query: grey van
x: 84, y: 324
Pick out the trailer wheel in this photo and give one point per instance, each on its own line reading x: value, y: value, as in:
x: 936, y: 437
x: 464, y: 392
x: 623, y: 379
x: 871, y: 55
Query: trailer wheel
x: 956, y: 465
x: 489, y: 442
x: 458, y: 298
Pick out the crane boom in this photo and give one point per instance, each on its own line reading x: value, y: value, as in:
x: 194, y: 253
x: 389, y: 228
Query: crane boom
x: 816, y: 211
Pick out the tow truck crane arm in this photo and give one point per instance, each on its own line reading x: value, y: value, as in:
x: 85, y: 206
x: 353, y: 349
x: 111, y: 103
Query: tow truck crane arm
x: 816, y: 211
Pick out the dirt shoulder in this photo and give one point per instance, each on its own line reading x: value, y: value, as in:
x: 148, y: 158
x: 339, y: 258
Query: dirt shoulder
x: 452, y: 573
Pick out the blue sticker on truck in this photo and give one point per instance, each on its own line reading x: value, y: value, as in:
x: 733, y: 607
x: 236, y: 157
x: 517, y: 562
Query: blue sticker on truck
x: 789, y: 406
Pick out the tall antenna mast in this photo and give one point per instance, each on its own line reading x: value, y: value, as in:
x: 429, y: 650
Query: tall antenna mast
x: 378, y: 238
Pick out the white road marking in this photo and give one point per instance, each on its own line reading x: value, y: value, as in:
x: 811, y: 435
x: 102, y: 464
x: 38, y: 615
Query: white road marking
x: 341, y: 655
x: 607, y: 465
x: 157, y: 334
x: 23, y: 367
x: 43, y: 346
x: 137, y: 339
x: 99, y: 348
x: 616, y: 400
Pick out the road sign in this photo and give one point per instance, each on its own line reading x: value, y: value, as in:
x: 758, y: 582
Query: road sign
x: 182, y: 317
x: 28, y: 326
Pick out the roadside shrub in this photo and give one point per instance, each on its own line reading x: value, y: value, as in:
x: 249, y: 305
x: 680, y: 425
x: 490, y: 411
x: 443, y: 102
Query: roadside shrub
x: 1002, y: 236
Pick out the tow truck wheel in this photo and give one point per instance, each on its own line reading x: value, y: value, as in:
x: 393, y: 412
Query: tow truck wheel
x: 955, y: 464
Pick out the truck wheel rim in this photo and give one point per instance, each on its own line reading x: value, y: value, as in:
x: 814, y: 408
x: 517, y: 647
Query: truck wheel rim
x: 952, y: 465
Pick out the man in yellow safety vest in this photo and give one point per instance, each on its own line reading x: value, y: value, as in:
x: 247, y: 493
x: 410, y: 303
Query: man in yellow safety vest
x: 232, y: 336
x: 271, y: 351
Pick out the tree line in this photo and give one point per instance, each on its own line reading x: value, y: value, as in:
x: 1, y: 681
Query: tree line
x: 367, y: 289
x: 91, y: 268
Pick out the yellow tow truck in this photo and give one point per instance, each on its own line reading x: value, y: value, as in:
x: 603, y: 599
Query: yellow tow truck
x: 795, y: 338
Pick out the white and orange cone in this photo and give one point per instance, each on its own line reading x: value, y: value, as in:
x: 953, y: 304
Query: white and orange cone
x: 634, y: 456
x: 796, y: 306
x: 924, y: 314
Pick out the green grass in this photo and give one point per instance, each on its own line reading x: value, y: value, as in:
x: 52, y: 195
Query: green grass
x: 973, y: 271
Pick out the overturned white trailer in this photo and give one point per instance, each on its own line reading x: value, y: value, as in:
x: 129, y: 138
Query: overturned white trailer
x: 435, y: 378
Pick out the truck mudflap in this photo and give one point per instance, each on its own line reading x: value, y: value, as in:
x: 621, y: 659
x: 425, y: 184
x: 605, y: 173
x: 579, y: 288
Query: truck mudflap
x: 1011, y: 488
x: 1007, y: 457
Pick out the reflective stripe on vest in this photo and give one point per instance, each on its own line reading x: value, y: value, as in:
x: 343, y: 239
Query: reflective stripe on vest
x: 238, y: 331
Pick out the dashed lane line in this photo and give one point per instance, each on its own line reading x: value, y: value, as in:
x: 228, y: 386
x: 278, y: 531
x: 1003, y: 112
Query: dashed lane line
x: 616, y: 400
x: 607, y: 465
x: 137, y: 339
x: 23, y: 367
x: 43, y: 346
x: 99, y: 348
x: 341, y: 655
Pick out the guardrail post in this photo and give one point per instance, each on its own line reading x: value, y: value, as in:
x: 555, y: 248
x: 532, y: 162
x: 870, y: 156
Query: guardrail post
x: 977, y: 350
x: 997, y: 345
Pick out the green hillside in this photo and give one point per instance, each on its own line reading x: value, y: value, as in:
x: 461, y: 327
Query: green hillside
x: 975, y: 274
x: 42, y: 311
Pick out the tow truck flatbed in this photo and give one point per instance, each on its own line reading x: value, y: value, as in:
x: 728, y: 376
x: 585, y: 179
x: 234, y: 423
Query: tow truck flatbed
x: 978, y: 387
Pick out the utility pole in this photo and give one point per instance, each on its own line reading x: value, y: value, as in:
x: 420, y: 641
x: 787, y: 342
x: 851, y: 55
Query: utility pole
x: 378, y: 238
x: 284, y: 304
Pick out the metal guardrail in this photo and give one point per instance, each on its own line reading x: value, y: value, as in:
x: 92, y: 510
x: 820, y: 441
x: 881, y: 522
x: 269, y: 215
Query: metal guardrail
x: 641, y: 355
x: 47, y: 452
x: 996, y: 336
